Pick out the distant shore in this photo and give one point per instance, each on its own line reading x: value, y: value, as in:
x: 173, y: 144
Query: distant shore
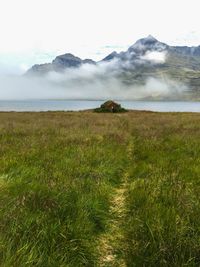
x: 83, y: 105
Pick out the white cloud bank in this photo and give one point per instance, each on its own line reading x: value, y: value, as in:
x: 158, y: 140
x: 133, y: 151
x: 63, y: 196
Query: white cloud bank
x: 87, y: 82
x: 155, y: 56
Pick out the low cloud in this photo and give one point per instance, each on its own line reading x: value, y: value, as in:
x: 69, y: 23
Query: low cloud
x: 155, y: 57
x: 102, y: 81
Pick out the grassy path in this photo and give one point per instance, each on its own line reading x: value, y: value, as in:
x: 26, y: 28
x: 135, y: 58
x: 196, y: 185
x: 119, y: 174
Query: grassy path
x: 110, y: 250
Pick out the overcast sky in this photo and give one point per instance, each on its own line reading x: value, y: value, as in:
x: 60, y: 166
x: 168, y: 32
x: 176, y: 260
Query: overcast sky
x: 35, y: 31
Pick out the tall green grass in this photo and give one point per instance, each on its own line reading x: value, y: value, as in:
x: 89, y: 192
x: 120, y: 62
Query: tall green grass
x: 163, y: 199
x: 56, y: 186
x: 58, y: 175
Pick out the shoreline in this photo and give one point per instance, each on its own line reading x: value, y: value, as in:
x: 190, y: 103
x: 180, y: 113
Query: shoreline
x: 92, y: 111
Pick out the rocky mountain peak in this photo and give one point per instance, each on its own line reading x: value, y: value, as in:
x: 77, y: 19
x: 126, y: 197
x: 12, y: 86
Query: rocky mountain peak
x: 147, y: 40
x: 66, y: 60
x: 111, y: 56
x: 148, y: 43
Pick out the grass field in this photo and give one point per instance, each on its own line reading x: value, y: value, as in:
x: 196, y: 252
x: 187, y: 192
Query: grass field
x: 86, y: 189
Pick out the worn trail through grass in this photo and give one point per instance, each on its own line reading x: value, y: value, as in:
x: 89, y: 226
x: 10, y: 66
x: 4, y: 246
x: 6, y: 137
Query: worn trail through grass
x: 110, y: 250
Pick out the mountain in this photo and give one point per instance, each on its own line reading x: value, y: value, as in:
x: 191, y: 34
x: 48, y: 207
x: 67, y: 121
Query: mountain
x: 152, y: 44
x: 59, y: 64
x: 148, y: 57
x: 181, y: 65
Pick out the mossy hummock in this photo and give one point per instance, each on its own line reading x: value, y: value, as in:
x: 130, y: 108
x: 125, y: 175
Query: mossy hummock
x: 110, y: 106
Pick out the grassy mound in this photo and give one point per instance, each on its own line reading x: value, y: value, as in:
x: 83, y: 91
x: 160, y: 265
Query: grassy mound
x: 110, y: 107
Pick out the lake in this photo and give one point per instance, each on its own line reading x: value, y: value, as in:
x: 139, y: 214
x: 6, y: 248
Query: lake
x: 75, y: 105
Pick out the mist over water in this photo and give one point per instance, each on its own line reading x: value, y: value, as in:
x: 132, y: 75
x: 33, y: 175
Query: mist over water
x: 89, y: 81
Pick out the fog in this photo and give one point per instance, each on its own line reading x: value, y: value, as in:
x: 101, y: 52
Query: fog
x: 96, y: 82
x: 155, y: 56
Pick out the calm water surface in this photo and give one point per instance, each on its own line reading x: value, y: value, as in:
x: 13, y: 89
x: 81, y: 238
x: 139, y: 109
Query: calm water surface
x: 74, y: 105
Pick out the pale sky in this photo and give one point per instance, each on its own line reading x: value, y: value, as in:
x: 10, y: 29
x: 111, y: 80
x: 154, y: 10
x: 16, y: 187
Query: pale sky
x: 35, y: 31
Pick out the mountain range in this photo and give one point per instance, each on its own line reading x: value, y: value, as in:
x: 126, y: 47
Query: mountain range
x: 148, y: 57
